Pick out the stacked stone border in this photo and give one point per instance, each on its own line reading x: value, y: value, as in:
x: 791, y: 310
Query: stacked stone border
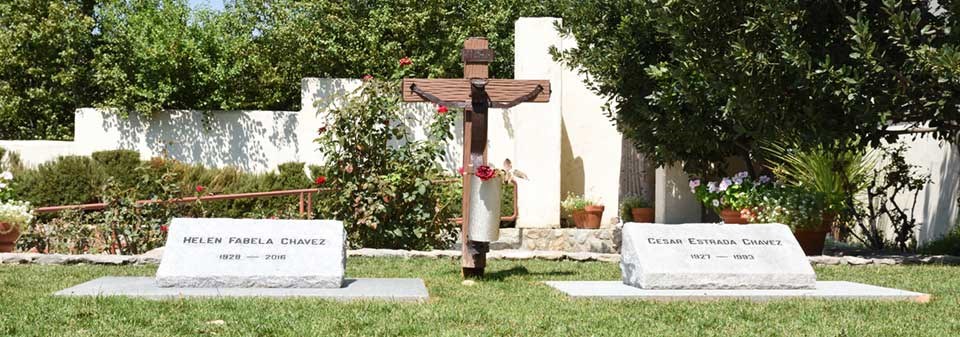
x: 154, y: 256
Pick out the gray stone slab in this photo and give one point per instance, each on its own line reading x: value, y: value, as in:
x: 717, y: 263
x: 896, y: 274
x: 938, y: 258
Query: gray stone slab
x: 830, y: 290
x: 714, y: 256
x: 253, y: 253
x: 389, y: 289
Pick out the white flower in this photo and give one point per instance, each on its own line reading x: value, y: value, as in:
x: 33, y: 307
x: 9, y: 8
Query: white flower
x: 712, y: 187
x: 716, y: 203
x: 3, y: 185
x: 743, y: 174
x: 6, y: 175
x: 724, y: 184
x: 15, y: 212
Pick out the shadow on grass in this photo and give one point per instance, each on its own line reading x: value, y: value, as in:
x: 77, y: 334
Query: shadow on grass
x: 516, y: 271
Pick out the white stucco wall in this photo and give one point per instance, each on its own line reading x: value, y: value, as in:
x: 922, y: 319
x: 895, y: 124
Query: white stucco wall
x: 537, y: 126
x: 937, y: 203
x: 36, y: 152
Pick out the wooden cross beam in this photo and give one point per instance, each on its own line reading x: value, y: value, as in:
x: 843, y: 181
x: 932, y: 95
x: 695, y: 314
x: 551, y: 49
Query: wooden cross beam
x: 475, y: 93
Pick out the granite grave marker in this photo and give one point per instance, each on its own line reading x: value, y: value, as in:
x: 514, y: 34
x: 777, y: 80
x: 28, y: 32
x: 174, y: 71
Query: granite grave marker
x: 252, y: 253
x: 714, y: 256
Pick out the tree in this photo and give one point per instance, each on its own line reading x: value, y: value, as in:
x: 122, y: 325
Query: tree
x: 45, y: 48
x: 699, y: 81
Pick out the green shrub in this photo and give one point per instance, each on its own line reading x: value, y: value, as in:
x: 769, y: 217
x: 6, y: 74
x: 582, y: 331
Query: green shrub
x: 63, y: 181
x: 949, y: 244
x: 120, y: 165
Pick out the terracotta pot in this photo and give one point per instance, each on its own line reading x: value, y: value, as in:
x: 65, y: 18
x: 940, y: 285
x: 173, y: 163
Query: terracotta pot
x: 579, y: 218
x: 732, y: 217
x: 593, y: 214
x: 8, y: 237
x: 811, y: 240
x: 643, y: 215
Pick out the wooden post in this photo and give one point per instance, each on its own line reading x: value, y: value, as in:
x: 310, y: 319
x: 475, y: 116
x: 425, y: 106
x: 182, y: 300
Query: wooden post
x: 474, y: 141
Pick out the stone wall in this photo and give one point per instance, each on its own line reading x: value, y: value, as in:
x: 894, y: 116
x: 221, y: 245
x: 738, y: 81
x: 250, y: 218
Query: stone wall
x: 604, y: 240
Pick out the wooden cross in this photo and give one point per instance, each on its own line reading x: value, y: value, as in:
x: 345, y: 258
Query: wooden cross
x: 475, y: 93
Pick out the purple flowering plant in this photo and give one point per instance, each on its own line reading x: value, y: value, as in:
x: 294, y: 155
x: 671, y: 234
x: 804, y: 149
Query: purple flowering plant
x: 737, y: 192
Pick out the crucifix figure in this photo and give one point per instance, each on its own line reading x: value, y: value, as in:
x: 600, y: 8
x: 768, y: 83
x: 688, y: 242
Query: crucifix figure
x: 476, y: 94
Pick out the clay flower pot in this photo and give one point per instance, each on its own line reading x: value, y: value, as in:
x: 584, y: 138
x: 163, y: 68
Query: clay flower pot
x: 642, y: 215
x: 812, y: 240
x: 732, y: 217
x: 8, y: 237
x: 593, y: 214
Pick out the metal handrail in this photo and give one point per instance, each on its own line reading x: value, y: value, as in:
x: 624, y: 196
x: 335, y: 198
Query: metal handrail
x: 306, y: 204
x: 306, y: 201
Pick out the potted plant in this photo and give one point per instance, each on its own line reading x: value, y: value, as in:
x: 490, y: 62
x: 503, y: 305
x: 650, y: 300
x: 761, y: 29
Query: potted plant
x: 803, y: 209
x: 636, y: 209
x: 14, y: 215
x: 732, y: 198
x: 586, y: 213
x: 839, y: 172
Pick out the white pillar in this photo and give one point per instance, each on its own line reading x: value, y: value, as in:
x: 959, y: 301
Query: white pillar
x: 674, y: 201
x: 537, y: 125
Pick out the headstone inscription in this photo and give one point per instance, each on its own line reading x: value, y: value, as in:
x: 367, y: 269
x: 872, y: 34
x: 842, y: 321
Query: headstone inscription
x: 251, y: 253
x: 713, y: 256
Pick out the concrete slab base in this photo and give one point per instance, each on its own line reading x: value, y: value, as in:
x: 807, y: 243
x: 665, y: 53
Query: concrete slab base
x: 830, y: 290
x: 388, y: 289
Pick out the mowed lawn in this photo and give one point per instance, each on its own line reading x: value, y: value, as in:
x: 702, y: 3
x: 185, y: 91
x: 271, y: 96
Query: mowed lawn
x: 512, y: 301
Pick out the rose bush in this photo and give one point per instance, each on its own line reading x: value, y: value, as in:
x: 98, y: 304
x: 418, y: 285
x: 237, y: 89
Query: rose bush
x: 382, y: 175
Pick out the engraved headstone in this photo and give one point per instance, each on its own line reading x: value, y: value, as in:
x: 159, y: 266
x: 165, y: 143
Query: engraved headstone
x: 713, y: 256
x: 253, y: 253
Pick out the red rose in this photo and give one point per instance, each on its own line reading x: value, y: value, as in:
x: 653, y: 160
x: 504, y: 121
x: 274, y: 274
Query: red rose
x: 163, y: 228
x: 200, y: 189
x: 367, y: 77
x: 441, y: 109
x: 485, y: 173
x: 460, y: 170
x: 406, y: 61
x: 322, y: 129
x: 320, y: 180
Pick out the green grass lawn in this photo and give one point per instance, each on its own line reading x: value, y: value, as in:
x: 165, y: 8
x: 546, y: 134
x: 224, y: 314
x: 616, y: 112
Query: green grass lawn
x: 512, y: 301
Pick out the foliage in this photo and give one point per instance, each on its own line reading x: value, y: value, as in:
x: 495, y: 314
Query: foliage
x: 382, y: 174
x: 737, y: 193
x: 121, y: 165
x: 45, y: 48
x: 146, y: 55
x: 949, y: 244
x: 895, y: 179
x: 837, y: 173
x: 698, y: 82
x: 71, y: 232
x: 575, y: 202
x: 796, y: 206
x: 136, y: 228
x: 64, y: 181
